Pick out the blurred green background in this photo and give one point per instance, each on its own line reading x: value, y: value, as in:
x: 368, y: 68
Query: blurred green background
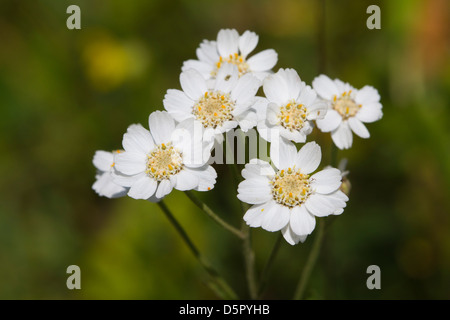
x: 66, y: 93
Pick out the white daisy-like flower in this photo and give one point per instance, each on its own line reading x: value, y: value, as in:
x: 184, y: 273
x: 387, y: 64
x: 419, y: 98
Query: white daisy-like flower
x: 224, y: 106
x: 289, y: 198
x: 232, y: 48
x: 166, y: 157
x: 289, y: 107
x: 349, y: 108
x: 104, y: 184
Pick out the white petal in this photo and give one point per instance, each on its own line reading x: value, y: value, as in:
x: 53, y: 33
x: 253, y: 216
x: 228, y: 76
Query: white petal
x: 143, y: 188
x: 301, y: 221
x: 326, y: 181
x: 131, y: 163
x: 123, y: 180
x: 292, y: 81
x: 227, y: 42
x: 260, y: 105
x: 164, y: 188
x: 298, y: 136
x: 319, y: 205
x: 330, y: 122
x: 247, y: 120
x: 178, y: 104
x: 206, y: 177
x: 370, y: 112
x: 325, y: 87
x: 255, y: 215
x: 245, y: 89
x: 273, y: 111
x: 254, y: 191
x: 188, y: 139
x: 367, y: 94
x: 207, y: 52
x: 186, y: 180
x: 317, y: 110
x: 291, y: 237
x: 258, y: 168
x: 247, y: 42
x: 283, y: 153
x: 106, y: 187
x: 137, y: 139
x: 193, y: 84
x: 275, y: 89
x: 276, y: 218
x: 161, y: 126
x: 342, y: 136
x: 263, y: 61
x: 203, y: 67
x: 307, y: 96
x: 103, y: 160
x: 226, y: 78
x: 358, y: 128
x: 308, y: 158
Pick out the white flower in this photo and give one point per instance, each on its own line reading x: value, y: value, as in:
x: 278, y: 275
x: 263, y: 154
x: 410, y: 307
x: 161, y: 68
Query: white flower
x: 104, y: 184
x: 220, y: 108
x: 234, y: 49
x: 166, y: 157
x: 348, y: 109
x: 289, y: 198
x: 289, y: 107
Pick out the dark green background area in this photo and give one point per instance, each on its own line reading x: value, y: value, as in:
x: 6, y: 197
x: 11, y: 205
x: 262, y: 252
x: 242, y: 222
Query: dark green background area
x: 66, y: 93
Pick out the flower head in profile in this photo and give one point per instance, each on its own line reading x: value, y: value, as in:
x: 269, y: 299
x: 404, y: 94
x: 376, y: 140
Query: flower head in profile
x: 289, y: 197
x: 220, y: 108
x: 166, y: 157
x: 349, y: 109
x: 232, y: 48
x: 289, y: 107
x: 104, y: 184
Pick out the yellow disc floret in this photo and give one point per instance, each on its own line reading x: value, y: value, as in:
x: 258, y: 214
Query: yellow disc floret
x: 213, y: 109
x: 164, y: 161
x: 345, y: 105
x: 235, y: 59
x: 292, y: 116
x: 290, y: 187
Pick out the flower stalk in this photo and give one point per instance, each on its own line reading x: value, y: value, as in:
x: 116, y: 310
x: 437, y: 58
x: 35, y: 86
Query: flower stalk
x: 219, y: 285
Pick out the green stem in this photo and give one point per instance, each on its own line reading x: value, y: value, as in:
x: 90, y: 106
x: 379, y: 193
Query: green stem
x: 269, y: 264
x: 249, y: 255
x: 220, y: 285
x: 310, y: 262
x: 213, y: 215
x: 249, y: 259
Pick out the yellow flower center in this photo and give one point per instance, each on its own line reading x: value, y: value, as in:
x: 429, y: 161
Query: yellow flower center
x: 290, y: 187
x: 213, y: 109
x: 235, y: 59
x: 292, y: 116
x: 345, y: 105
x: 163, y: 162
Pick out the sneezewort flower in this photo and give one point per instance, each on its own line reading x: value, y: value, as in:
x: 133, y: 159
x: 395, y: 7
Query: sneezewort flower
x: 289, y: 197
x: 289, y: 107
x: 349, y: 109
x: 232, y: 48
x: 104, y: 184
x: 166, y: 157
x: 219, y: 108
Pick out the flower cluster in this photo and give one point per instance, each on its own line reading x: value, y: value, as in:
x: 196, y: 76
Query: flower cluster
x: 218, y: 94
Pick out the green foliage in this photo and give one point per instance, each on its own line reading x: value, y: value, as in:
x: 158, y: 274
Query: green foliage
x: 66, y: 93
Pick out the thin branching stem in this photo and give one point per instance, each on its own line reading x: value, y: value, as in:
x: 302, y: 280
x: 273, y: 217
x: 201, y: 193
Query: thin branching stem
x: 268, y: 267
x: 213, y: 215
x: 310, y: 262
x: 219, y: 285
